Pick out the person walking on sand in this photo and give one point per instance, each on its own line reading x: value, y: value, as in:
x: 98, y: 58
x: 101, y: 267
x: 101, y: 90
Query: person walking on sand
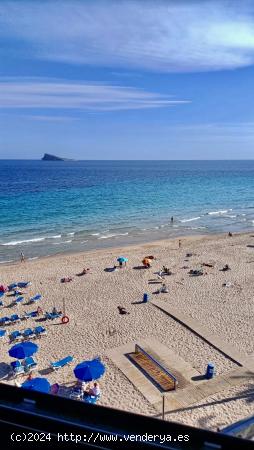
x: 179, y: 243
x: 22, y: 257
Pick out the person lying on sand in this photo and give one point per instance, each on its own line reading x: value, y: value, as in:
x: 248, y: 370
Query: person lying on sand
x: 66, y: 280
x: 122, y: 310
x: 163, y: 289
x: 85, y: 271
x: 111, y: 269
x: 225, y: 268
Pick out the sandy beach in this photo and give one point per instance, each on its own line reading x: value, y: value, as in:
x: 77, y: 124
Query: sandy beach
x: 96, y: 326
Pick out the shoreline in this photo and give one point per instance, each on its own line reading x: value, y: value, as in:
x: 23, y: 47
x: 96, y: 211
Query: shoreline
x: 110, y: 248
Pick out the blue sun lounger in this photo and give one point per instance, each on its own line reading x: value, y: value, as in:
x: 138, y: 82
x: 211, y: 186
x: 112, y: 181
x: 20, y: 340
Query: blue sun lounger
x: 15, y: 336
x: 12, y: 286
x: 17, y: 368
x: 28, y: 333
x: 40, y: 331
x: 31, y: 314
x: 2, y: 333
x: 36, y: 298
x: 18, y: 300
x: 52, y: 316
x: 24, y: 284
x: 1, y: 293
x: 5, y: 320
x: 63, y: 362
x: 29, y: 364
x: 15, y: 318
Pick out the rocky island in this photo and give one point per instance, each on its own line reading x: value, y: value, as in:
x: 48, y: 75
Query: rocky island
x: 48, y: 157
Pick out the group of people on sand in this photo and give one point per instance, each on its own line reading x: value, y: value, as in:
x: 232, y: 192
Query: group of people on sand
x: 85, y: 271
x: 86, y: 389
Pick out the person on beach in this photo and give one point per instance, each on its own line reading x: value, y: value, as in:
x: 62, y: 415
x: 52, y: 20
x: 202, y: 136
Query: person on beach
x: 39, y: 311
x: 172, y: 219
x: 22, y: 257
x: 95, y: 390
x: 164, y: 289
x: 179, y: 243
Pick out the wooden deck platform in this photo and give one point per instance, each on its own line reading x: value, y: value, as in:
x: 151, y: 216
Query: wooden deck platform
x: 153, y: 371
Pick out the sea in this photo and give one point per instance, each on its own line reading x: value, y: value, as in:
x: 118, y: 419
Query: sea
x: 56, y: 207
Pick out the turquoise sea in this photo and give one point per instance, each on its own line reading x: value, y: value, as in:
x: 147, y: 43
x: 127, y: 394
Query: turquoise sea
x: 54, y: 207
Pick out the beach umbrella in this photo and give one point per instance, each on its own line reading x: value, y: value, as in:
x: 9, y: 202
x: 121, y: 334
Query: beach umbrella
x: 89, y: 370
x: 23, y: 350
x: 122, y: 259
x: 37, y: 384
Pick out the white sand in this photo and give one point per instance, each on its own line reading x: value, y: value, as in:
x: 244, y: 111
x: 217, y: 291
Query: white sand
x: 92, y: 300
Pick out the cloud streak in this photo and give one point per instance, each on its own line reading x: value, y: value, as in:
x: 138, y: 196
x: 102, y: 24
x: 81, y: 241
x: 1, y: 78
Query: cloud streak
x: 162, y: 36
x: 74, y: 96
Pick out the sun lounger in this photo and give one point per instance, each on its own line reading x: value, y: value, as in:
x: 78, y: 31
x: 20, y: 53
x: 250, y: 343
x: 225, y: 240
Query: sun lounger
x: 40, y: 331
x: 12, y: 286
x: 28, y: 333
x: 5, y: 320
x: 36, y: 298
x: 1, y: 293
x: 52, y: 316
x: 15, y: 318
x: 2, y: 333
x: 1, y: 303
x: 17, y: 368
x: 18, y: 300
x: 63, y: 362
x: 15, y: 336
x: 29, y: 364
x: 24, y: 284
x: 29, y: 315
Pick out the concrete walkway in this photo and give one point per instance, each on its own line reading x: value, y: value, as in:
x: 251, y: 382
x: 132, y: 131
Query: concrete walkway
x: 181, y: 399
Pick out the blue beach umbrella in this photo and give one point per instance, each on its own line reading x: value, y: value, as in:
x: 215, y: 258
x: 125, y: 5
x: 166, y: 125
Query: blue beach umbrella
x: 89, y: 370
x: 23, y: 350
x: 37, y: 384
x: 122, y: 259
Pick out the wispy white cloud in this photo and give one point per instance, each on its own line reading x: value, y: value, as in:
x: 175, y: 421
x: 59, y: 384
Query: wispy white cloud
x: 61, y: 95
x: 154, y: 35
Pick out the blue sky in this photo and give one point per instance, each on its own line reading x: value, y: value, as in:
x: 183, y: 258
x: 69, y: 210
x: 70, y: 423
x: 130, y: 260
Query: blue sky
x: 98, y: 79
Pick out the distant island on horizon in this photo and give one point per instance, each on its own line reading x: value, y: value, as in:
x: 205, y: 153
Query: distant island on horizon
x: 48, y: 157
